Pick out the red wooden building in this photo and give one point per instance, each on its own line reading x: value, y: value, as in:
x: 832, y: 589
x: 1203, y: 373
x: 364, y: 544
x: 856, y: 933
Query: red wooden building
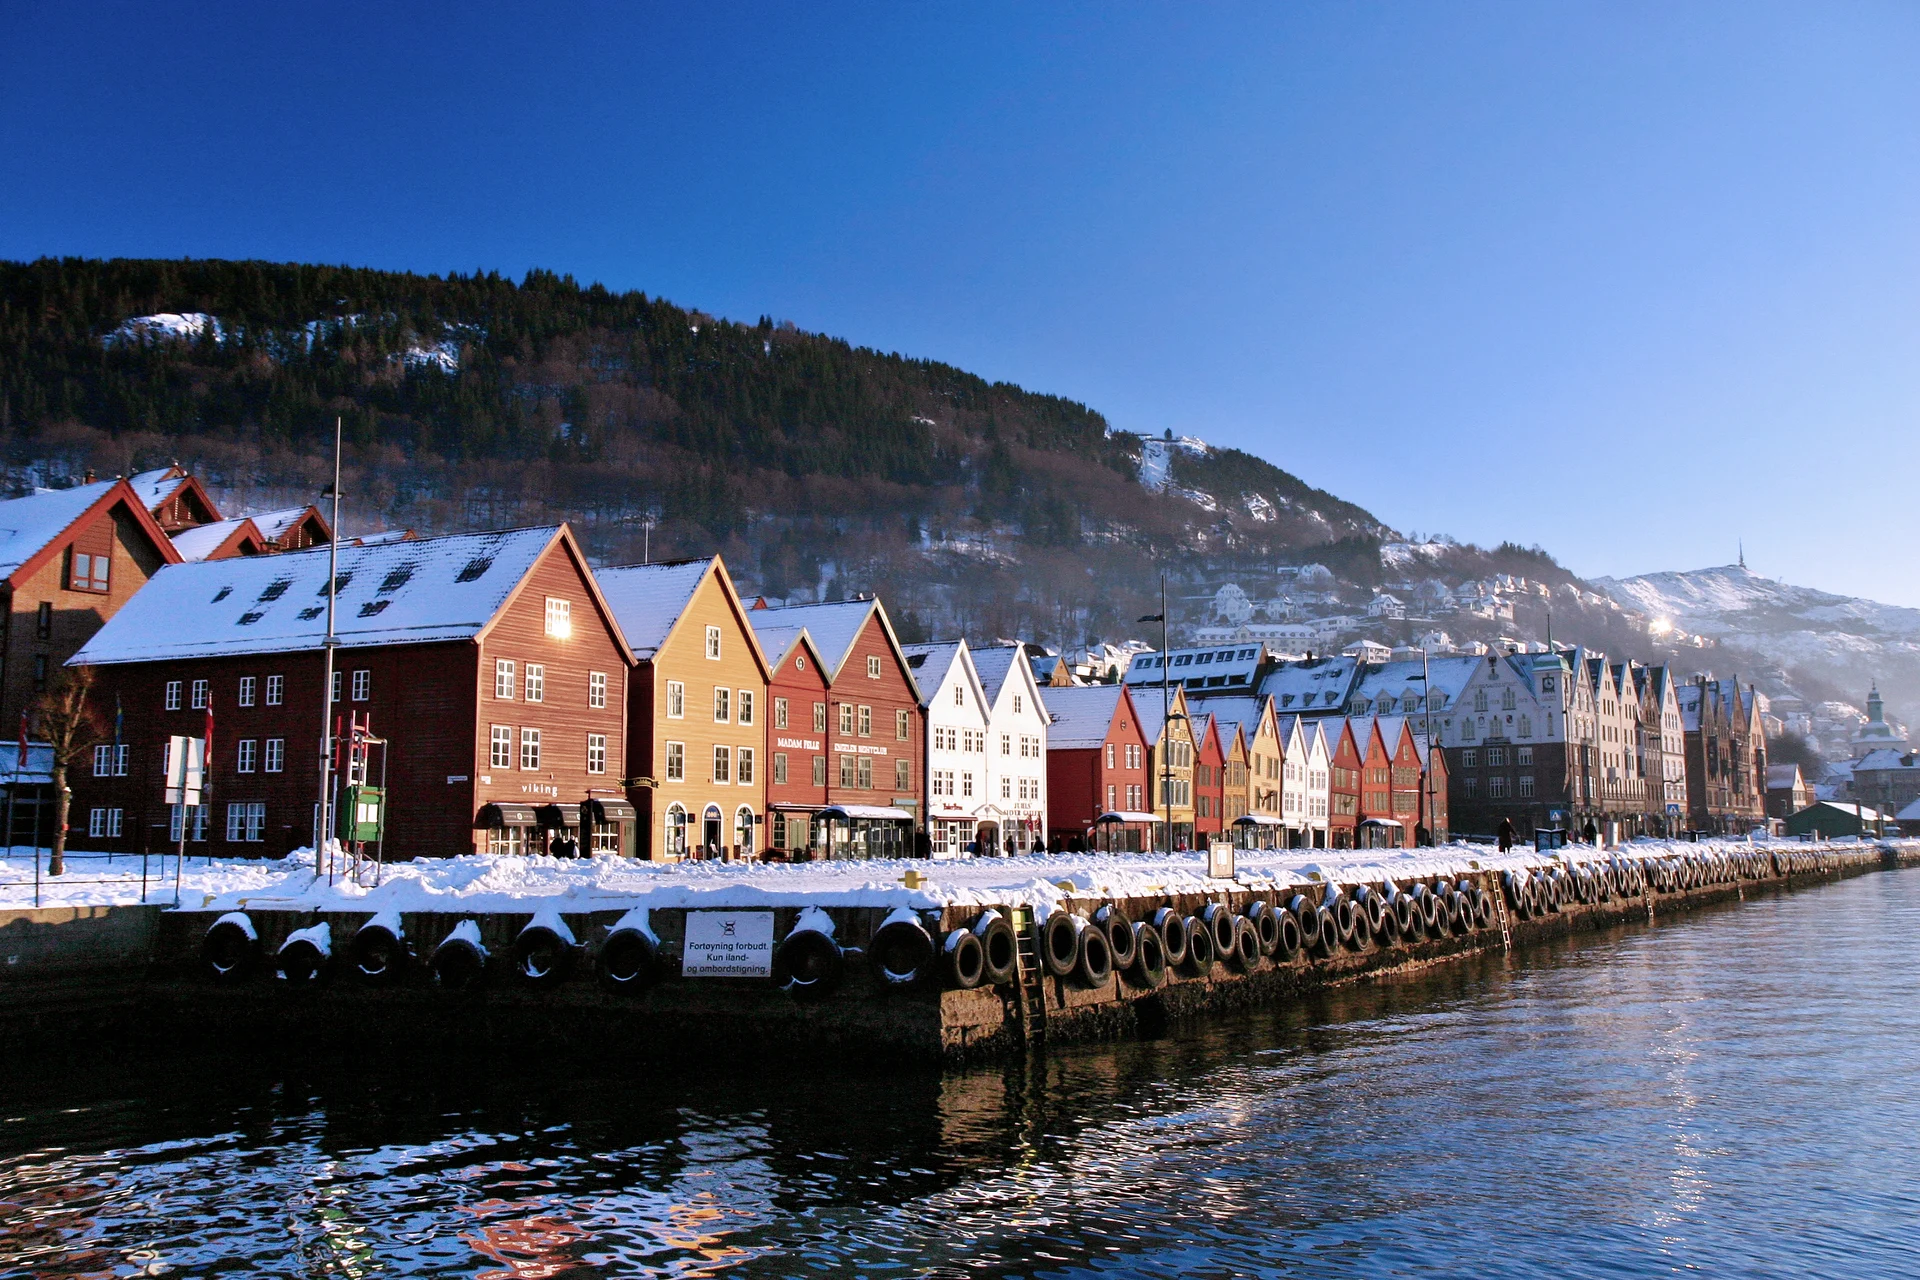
x: 70, y: 559
x: 1343, y: 787
x: 1209, y: 780
x: 1097, y: 768
x: 488, y: 661
x: 876, y: 788
x: 796, y: 732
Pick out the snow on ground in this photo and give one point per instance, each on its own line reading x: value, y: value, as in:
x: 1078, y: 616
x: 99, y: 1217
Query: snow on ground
x: 482, y: 883
x: 167, y: 326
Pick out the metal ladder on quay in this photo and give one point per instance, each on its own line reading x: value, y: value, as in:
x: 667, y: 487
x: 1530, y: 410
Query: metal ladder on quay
x: 1030, y: 982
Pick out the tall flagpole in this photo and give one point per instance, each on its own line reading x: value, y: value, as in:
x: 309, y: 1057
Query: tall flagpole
x: 326, y: 680
x: 1166, y: 718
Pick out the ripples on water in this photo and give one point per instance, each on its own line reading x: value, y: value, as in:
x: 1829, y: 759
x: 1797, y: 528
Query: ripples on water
x: 1732, y: 1095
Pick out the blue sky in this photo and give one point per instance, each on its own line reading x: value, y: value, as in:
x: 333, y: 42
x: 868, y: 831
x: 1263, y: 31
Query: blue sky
x: 1629, y: 281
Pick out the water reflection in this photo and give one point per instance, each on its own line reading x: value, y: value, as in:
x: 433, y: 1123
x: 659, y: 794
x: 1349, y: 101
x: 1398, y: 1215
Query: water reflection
x: 1726, y: 1095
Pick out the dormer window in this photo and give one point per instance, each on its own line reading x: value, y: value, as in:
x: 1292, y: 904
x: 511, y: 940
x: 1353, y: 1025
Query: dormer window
x: 91, y: 573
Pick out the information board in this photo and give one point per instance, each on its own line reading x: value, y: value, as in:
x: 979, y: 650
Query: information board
x: 728, y: 944
x: 1220, y: 860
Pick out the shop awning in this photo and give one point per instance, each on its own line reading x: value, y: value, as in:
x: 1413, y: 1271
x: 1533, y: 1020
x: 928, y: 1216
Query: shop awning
x: 1257, y: 820
x: 1383, y: 822
x: 1127, y: 815
x: 880, y: 813
x: 606, y: 812
x: 555, y: 816
x: 492, y: 817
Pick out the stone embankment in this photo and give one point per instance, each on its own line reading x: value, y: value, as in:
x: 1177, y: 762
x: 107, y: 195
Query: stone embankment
x: 967, y: 977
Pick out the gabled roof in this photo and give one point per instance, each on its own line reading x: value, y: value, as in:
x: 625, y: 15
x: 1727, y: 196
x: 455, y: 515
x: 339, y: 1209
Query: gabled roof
x: 1082, y: 715
x: 1319, y: 685
x: 209, y: 541
x: 31, y: 527
x: 275, y: 525
x: 834, y: 626
x: 1886, y: 758
x: 1781, y: 776
x: 1240, y: 711
x: 156, y: 486
x: 436, y: 589
x: 1151, y: 715
x: 930, y: 663
x: 778, y: 641
x: 649, y: 598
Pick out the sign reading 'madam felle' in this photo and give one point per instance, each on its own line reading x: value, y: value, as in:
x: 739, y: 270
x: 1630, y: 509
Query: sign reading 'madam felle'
x: 728, y: 944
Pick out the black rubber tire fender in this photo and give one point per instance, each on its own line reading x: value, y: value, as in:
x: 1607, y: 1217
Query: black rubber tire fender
x: 1172, y: 928
x: 1093, y: 966
x: 1344, y: 919
x: 1409, y: 921
x: 1375, y: 908
x: 901, y: 953
x: 1483, y: 913
x: 1388, y: 934
x: 629, y: 961
x: 1219, y: 918
x: 964, y: 960
x: 230, y: 951
x: 998, y: 947
x: 1435, y: 910
x: 1119, y: 936
x: 299, y: 963
x: 1307, y: 917
x: 1329, y: 932
x: 1266, y: 925
x: 1201, y: 955
x: 1290, y: 939
x: 1149, y: 968
x: 541, y: 956
x: 376, y: 955
x: 1059, y: 944
x: 458, y: 965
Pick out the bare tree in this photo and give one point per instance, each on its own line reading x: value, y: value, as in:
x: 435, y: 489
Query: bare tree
x: 70, y: 724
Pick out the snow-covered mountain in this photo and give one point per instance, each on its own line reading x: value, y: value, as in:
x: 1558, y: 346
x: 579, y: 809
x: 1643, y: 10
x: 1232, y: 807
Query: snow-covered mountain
x: 1830, y: 644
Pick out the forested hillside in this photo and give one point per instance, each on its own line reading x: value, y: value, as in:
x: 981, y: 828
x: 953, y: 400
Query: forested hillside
x: 816, y: 466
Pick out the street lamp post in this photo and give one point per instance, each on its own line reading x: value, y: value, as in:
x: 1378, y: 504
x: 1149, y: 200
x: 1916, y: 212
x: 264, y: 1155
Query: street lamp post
x: 1166, y: 715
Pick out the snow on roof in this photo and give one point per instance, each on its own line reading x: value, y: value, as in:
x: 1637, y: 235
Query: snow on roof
x: 435, y: 589
x: 1320, y: 684
x: 647, y: 599
x: 155, y: 487
x: 1887, y: 758
x: 834, y: 626
x: 994, y: 666
x: 776, y: 638
x: 1213, y: 667
x: 1448, y: 676
x: 274, y: 524
x: 930, y: 664
x: 1234, y: 711
x: 1782, y: 775
x: 1909, y: 814
x: 28, y: 524
x: 1081, y: 715
x: 202, y: 541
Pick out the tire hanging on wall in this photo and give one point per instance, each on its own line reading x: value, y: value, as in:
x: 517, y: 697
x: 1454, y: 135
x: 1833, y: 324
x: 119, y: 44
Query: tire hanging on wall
x: 1220, y: 920
x: 1201, y: 955
x: 231, y: 947
x: 460, y: 961
x: 964, y: 960
x: 1093, y: 967
x: 1172, y: 929
x: 1289, y: 930
x: 1246, y: 954
x: 1408, y: 918
x: 810, y: 963
x: 378, y: 952
x: 302, y: 958
x: 1266, y: 925
x: 1307, y: 917
x: 901, y: 952
x: 542, y: 955
x: 1119, y: 936
x: 998, y: 947
x: 1149, y: 968
x: 629, y: 960
x: 1059, y: 944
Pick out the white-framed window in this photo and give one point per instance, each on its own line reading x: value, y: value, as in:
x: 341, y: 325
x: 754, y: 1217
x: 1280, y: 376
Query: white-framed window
x: 966, y: 784
x: 779, y: 713
x: 501, y: 756
x: 819, y: 771
x: 1112, y: 794
x: 959, y: 696
x: 196, y: 822
x: 676, y: 700
x: 846, y: 719
x: 942, y: 782
x: 247, y: 751
x: 713, y: 643
x: 339, y: 682
x: 746, y: 706
x: 1526, y: 785
x: 722, y: 705
x: 596, y: 688
x: 103, y: 824
x: 247, y: 684
x: 1006, y: 744
x: 110, y: 761
x: 866, y: 722
x: 173, y: 695
x: 902, y: 726
x: 362, y: 685
x: 536, y: 682
x: 275, y: 756
x: 559, y: 618
x: 247, y: 822
x: 722, y: 765
x: 276, y: 690
x: 743, y: 766
x: 863, y: 767
x: 780, y: 768
x: 873, y: 668
x: 199, y: 695
x: 1016, y: 704
x: 596, y: 753
x: 819, y: 717
x: 1006, y: 789
x: 504, y: 679
x: 676, y: 829
x: 676, y: 762
x: 529, y: 748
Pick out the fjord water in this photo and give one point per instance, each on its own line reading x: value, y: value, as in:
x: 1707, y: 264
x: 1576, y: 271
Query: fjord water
x: 1729, y: 1094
